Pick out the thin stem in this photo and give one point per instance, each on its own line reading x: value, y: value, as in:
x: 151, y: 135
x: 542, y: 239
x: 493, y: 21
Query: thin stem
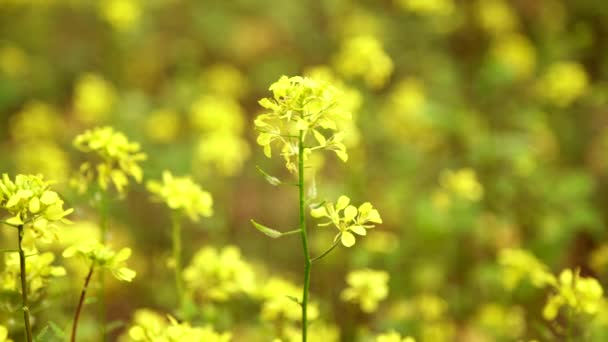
x: 177, y: 256
x: 326, y: 252
x: 24, y: 302
x: 103, y: 225
x: 290, y: 232
x: 80, y: 303
x: 307, y: 261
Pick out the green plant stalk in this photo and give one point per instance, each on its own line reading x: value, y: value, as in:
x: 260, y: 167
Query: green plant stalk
x: 23, y: 274
x: 103, y: 225
x: 80, y: 303
x: 303, y: 232
x: 177, y: 256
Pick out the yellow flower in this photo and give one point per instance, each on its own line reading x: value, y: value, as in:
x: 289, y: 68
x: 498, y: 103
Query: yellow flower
x: 225, y: 80
x: 123, y: 15
x: 218, y: 274
x: 428, y: 7
x: 582, y: 295
x: 516, y: 53
x: 367, y: 287
x: 212, y: 113
x: 496, y: 16
x: 162, y: 126
x: 563, y: 83
x: 4, y: 334
x: 462, y: 183
x: 304, y: 105
x: 55, y: 163
x: 94, y: 97
x: 119, y: 159
x: 39, y: 271
x: 102, y: 256
x: 279, y: 303
x: 363, y: 56
x: 353, y: 220
x: 13, y: 61
x: 393, y: 336
x: 224, y: 152
x: 148, y: 326
x: 37, y: 120
x: 181, y: 193
x: 519, y: 264
x: 30, y: 202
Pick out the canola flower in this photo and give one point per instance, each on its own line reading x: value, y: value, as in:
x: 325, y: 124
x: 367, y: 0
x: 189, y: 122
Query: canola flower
x: 162, y: 126
x: 218, y: 275
x: 347, y: 218
x: 122, y: 15
x: 40, y: 270
x: 516, y: 54
x: 393, y: 336
x: 367, y: 287
x: 36, y: 120
x: 13, y: 61
x: 182, y: 194
x: 460, y: 184
x: 118, y: 159
x: 304, y: 105
x: 224, y: 152
x: 364, y: 56
x: 149, y: 326
x: 563, y: 83
x: 55, y: 163
x: 225, y: 80
x: 496, y: 17
x: 279, y: 302
x: 103, y: 257
x: 4, y: 334
x: 439, y: 8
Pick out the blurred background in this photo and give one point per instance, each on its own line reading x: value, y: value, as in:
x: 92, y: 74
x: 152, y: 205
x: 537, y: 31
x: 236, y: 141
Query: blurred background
x: 478, y: 125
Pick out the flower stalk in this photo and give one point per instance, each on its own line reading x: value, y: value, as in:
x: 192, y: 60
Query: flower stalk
x: 24, y: 301
x: 303, y: 232
x: 81, y: 303
x: 177, y: 256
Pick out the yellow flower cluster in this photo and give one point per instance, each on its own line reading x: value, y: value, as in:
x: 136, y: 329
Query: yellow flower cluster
x: 367, y: 287
x: 581, y: 295
x: 30, y: 202
x: 39, y: 270
x: 218, y: 274
x: 496, y: 16
x: 181, y: 193
x: 149, y: 326
x: 94, y: 98
x: 119, y: 159
x: 13, y: 61
x: 516, y: 54
x: 461, y: 184
x: 279, y: 303
x: 393, y: 336
x: 303, y: 105
x: 162, y: 126
x: 563, y: 83
x: 224, y: 80
x: 352, y: 220
x: 363, y: 56
x: 105, y: 257
x: 123, y: 15
x: 501, y: 322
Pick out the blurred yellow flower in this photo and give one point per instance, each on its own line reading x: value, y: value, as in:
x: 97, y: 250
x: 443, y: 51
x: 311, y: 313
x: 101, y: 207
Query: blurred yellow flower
x: 94, y: 98
x: 182, y: 194
x: 582, y: 295
x: 55, y: 164
x: 13, y: 61
x: 221, y: 151
x: 123, y: 15
x: 212, y: 113
x: 225, y: 80
x: 367, y: 287
x: 4, y: 334
x: 393, y: 336
x: 515, y: 52
x: 278, y: 304
x: 40, y: 270
x: 364, y: 56
x: 462, y: 183
x: 162, y: 126
x: 36, y: 120
x: 428, y: 7
x: 99, y: 255
x: 563, y: 83
x: 496, y: 16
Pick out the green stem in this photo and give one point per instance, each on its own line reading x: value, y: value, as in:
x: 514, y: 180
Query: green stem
x: 80, y: 303
x: 177, y: 256
x: 103, y: 225
x: 307, y: 261
x: 24, y: 302
x: 326, y: 252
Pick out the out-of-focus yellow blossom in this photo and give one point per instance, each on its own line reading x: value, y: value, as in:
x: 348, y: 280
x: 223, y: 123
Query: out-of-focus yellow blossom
x: 225, y: 80
x: 39, y: 271
x: 501, y: 322
x: 430, y: 307
x: 428, y: 7
x: 519, y: 265
x: 438, y: 331
x: 516, y: 53
x: 94, y: 97
x: 278, y: 304
x: 102, y: 256
x: 55, y: 164
x: 30, y: 202
x: 496, y: 16
x: 4, y: 334
x: 301, y: 104
x: 37, y: 120
x: 367, y: 287
x: 354, y: 220
x: 359, y: 21
x: 582, y: 295
x: 351, y: 101
x: 123, y: 15
x: 218, y: 274
x: 224, y: 152
x: 317, y: 331
x: 364, y: 57
x: 393, y: 336
x: 462, y: 183
x: 13, y: 61
x: 118, y: 156
x: 149, y: 326
x: 213, y: 113
x: 162, y: 126
x: 182, y: 194
x: 563, y: 83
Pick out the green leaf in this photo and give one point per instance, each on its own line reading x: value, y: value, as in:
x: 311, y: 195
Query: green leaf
x: 266, y: 230
x: 294, y: 299
x: 270, y: 179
